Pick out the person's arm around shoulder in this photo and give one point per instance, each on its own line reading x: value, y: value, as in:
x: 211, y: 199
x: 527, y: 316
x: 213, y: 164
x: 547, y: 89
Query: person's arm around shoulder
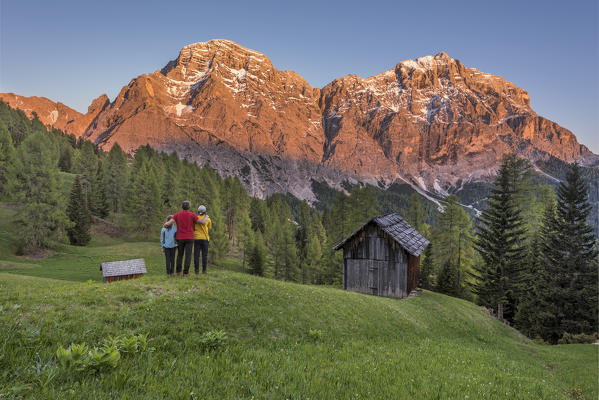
x: 203, y: 219
x: 170, y: 223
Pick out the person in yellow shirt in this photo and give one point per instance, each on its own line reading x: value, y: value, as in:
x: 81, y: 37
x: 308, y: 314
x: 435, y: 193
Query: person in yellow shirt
x: 201, y: 239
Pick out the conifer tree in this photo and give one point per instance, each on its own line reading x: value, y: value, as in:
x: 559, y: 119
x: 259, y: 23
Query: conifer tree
x: 257, y: 257
x: 144, y: 209
x: 288, y: 253
x: 65, y: 162
x: 311, y: 268
x: 43, y: 216
x: 427, y: 269
x: 448, y: 282
x: 415, y: 213
x: 98, y: 201
x: 568, y: 283
x: 258, y: 214
x: 170, y: 184
x: 116, y: 177
x: 453, y: 249
x: 501, y: 243
x: 78, y: 214
x: 85, y: 163
x: 533, y: 308
x: 314, y: 262
x: 247, y: 244
x: 302, y: 233
x: 8, y: 165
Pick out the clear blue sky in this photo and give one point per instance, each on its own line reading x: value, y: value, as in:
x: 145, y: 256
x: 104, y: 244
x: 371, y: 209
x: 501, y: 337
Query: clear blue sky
x: 73, y: 51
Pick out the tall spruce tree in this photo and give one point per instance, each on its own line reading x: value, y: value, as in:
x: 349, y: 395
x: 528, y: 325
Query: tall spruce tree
x: 78, y: 214
x: 568, y: 284
x: 501, y: 243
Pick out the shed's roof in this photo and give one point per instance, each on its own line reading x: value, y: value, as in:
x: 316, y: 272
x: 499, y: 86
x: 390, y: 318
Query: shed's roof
x: 399, y: 230
x: 126, y: 267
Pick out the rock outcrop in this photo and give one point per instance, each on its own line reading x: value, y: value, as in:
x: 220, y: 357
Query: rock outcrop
x: 57, y: 115
x: 432, y: 121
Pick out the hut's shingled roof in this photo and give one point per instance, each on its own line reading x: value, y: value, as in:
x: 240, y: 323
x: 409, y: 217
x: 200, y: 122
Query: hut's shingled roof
x: 399, y: 230
x: 126, y: 267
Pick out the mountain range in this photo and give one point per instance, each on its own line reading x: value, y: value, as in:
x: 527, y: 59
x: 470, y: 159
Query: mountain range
x: 431, y: 122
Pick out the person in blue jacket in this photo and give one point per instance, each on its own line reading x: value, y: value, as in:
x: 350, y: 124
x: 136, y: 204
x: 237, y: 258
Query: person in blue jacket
x: 169, y: 245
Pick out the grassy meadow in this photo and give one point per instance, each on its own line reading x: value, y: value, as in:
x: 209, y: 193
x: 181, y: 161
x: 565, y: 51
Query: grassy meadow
x: 283, y: 340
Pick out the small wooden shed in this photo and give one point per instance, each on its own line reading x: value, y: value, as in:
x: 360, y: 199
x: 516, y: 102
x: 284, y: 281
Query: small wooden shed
x: 122, y: 270
x: 383, y: 257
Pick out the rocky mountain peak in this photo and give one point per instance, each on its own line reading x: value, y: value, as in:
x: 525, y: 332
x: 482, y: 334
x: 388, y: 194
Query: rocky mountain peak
x: 98, y: 104
x: 196, y: 60
x: 431, y: 121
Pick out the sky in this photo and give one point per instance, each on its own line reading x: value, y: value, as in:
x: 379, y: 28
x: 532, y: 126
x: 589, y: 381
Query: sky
x: 74, y: 51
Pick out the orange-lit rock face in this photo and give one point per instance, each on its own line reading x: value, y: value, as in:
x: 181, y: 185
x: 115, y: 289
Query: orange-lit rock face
x: 431, y: 121
x: 56, y: 115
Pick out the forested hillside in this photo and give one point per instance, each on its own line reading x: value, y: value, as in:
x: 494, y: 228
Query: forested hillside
x: 60, y: 185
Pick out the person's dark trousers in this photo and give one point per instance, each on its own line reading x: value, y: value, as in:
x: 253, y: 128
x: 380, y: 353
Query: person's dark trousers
x: 169, y: 254
x: 200, y: 245
x: 184, y: 249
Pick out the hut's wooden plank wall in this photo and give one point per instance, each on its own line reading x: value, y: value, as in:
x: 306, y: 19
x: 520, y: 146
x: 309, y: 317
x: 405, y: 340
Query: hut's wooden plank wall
x: 122, y: 277
x: 374, y: 264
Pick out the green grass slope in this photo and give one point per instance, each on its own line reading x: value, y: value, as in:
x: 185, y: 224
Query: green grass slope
x: 361, y: 347
x: 431, y: 346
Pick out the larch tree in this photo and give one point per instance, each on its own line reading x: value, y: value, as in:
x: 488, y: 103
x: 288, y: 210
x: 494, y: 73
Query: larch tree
x: 453, y: 248
x: 98, y: 200
x: 9, y: 165
x: 115, y: 177
x: 43, y: 216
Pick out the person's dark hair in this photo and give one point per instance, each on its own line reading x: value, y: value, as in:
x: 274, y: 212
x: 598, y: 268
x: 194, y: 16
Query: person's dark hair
x: 185, y: 205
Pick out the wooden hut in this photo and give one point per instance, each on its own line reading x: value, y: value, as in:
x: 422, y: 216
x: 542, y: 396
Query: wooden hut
x: 121, y: 270
x: 382, y: 257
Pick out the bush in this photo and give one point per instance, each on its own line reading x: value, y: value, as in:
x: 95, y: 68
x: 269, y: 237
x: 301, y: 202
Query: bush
x: 213, y: 340
x: 583, y: 338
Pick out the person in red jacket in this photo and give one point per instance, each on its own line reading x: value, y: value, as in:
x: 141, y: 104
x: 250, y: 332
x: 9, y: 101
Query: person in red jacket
x: 185, y: 221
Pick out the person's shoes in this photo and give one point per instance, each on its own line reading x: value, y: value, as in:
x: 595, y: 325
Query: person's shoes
x: 185, y: 275
x: 204, y: 272
x: 178, y: 273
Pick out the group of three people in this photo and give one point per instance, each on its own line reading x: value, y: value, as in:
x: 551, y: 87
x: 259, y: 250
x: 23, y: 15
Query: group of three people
x: 188, y: 233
